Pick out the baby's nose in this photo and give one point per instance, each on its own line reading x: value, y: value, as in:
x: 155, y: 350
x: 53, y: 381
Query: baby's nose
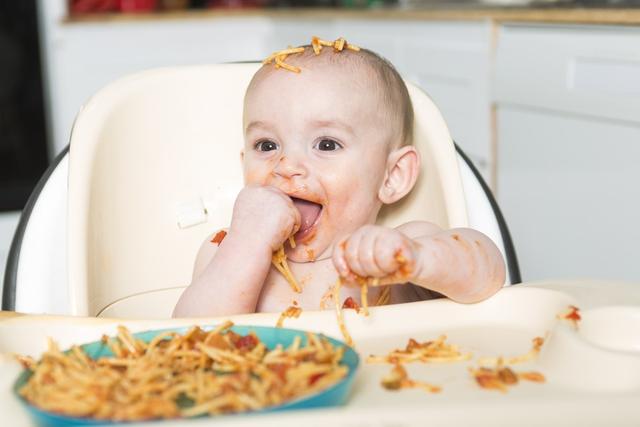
x: 290, y: 166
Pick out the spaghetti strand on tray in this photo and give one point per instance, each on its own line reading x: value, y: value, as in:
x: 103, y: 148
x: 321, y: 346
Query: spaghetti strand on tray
x: 435, y: 351
x: 537, y: 343
x: 398, y: 379
x: 501, y: 377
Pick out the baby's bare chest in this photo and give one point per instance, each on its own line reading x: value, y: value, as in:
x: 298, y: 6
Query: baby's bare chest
x: 315, y: 279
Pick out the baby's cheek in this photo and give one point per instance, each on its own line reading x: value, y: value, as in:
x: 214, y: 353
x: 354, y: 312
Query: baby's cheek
x: 257, y: 177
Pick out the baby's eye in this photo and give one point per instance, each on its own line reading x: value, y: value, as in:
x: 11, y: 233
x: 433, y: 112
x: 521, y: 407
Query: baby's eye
x: 328, y: 145
x: 266, y: 145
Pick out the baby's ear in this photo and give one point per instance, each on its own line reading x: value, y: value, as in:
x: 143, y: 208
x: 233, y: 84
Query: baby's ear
x: 403, y: 167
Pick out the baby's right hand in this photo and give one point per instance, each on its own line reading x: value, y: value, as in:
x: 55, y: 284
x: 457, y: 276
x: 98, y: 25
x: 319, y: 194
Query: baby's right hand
x: 264, y: 214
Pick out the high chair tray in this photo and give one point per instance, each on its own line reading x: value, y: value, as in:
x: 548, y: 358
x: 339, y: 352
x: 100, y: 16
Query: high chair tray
x: 592, y: 373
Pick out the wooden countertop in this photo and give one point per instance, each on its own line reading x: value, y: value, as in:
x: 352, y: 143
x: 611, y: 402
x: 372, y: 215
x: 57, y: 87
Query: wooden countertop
x: 9, y: 314
x: 610, y: 16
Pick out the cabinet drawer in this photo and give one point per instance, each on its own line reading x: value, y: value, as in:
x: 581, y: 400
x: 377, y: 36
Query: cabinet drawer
x: 586, y: 70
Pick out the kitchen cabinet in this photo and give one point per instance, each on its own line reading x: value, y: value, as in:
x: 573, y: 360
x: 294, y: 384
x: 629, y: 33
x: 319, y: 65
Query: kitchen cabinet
x: 450, y: 60
x: 568, y: 128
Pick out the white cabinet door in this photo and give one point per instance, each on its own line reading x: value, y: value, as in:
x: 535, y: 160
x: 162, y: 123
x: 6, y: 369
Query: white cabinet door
x: 569, y: 187
x: 568, y: 102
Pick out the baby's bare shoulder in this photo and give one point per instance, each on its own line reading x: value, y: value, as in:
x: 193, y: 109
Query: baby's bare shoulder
x: 415, y: 229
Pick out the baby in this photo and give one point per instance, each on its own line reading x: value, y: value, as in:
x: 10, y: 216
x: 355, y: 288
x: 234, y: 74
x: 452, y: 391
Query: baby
x: 324, y: 150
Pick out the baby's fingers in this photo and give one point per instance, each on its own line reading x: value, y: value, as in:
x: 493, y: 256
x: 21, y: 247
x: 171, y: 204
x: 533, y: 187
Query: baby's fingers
x: 394, y: 257
x: 367, y: 256
x: 339, y: 261
x: 352, y: 254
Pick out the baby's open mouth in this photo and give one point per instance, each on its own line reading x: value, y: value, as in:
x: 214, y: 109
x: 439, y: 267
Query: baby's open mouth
x: 309, y: 214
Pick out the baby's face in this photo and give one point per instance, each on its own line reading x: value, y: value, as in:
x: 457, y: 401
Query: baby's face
x: 320, y: 136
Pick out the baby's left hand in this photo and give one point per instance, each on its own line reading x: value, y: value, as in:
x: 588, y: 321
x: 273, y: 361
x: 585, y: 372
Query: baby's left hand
x: 375, y: 251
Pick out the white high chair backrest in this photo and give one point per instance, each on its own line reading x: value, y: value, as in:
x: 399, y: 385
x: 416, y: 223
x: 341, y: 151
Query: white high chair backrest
x: 155, y: 168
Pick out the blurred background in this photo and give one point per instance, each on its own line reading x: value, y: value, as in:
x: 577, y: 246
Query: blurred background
x: 544, y: 96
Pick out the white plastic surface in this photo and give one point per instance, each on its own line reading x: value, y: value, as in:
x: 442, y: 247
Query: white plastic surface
x: 42, y: 285
x: 586, y: 384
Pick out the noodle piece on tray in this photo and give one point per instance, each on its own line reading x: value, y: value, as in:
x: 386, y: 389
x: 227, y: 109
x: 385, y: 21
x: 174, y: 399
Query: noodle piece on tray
x: 502, y: 377
x: 174, y: 375
x: 398, y: 379
x: 527, y: 357
x: 437, y: 351
x: 572, y: 315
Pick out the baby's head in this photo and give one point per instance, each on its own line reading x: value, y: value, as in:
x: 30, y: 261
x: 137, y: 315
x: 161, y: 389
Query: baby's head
x: 336, y: 137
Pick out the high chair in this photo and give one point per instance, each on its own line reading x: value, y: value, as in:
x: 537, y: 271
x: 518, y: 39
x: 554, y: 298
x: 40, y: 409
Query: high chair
x: 114, y: 225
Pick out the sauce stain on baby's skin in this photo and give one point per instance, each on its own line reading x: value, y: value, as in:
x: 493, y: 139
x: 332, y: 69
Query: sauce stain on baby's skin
x: 311, y: 256
x: 219, y: 237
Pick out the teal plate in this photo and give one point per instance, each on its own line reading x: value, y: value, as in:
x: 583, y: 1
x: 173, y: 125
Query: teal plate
x: 333, y: 396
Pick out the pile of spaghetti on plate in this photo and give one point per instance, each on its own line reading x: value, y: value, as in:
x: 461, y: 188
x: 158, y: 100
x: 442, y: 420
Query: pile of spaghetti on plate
x: 180, y: 375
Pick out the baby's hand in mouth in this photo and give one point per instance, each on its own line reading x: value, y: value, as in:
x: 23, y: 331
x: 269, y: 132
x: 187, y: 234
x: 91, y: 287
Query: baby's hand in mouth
x: 375, y: 252
x: 264, y: 214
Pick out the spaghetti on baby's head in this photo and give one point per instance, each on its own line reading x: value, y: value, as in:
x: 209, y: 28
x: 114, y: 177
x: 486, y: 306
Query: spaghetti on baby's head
x: 335, y: 136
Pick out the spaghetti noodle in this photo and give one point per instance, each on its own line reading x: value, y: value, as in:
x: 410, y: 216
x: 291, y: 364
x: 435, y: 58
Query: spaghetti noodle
x: 293, y: 311
x: 399, y: 379
x: 436, y: 351
x: 317, y: 44
x: 279, y: 261
x: 502, y: 377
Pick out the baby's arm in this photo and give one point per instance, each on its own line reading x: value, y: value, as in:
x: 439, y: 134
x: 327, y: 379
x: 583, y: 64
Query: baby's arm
x: 228, y: 278
x: 463, y: 264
